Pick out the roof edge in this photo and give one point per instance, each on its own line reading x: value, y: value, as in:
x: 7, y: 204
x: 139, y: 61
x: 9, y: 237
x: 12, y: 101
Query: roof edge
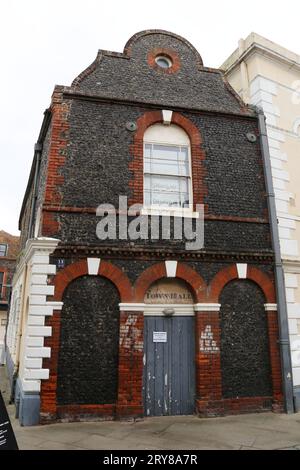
x: 40, y: 140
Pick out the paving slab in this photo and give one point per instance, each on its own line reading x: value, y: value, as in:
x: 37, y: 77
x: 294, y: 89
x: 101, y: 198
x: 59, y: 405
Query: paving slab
x: 261, y: 431
x: 54, y: 445
x: 165, y: 433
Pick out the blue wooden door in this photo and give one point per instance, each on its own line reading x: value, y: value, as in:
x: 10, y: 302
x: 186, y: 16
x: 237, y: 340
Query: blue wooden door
x: 169, y: 366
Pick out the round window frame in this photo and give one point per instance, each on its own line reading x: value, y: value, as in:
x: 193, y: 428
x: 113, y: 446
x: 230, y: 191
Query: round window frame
x: 165, y: 59
x: 164, y: 53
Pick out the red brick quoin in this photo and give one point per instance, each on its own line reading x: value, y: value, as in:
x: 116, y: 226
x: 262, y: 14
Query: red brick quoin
x: 56, y: 159
x: 137, y: 151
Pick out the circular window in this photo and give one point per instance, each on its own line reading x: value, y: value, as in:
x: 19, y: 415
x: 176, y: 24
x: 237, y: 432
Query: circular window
x: 163, y: 61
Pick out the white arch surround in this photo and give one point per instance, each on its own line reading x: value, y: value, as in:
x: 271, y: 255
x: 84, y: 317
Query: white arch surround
x: 172, y: 135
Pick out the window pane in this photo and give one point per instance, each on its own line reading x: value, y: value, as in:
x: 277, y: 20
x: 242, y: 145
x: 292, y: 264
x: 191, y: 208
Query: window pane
x: 184, y: 154
x: 185, y: 200
x: 162, y: 167
x: 184, y: 186
x: 166, y: 200
x: 164, y: 184
x: 166, y: 191
x: 166, y: 160
x: 147, y: 151
x: 162, y: 199
x: 169, y: 152
x: 147, y: 180
x: 184, y: 192
x: 183, y: 168
x: 166, y: 179
x: 147, y: 198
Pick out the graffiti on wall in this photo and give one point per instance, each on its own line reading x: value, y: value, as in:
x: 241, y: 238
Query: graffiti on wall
x: 207, y: 343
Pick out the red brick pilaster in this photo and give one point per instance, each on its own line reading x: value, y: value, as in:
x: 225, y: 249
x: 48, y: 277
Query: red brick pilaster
x: 48, y: 407
x: 130, y: 390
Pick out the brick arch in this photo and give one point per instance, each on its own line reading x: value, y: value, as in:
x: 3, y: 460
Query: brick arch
x: 229, y: 274
x: 137, y: 149
x: 158, y: 271
x: 106, y: 269
x: 154, y: 117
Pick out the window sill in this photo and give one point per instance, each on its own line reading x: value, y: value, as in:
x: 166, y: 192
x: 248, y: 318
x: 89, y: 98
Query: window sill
x: 184, y: 213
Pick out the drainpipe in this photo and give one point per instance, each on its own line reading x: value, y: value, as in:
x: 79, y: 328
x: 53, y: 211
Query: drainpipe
x: 284, y: 342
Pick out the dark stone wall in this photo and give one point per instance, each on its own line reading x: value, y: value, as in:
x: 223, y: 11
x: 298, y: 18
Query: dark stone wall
x: 25, y: 221
x: 244, y: 341
x: 234, y: 169
x: 99, y: 154
x: 218, y: 235
x: 96, y: 172
x: 134, y: 79
x: 133, y: 268
x: 96, y: 168
x: 89, y: 343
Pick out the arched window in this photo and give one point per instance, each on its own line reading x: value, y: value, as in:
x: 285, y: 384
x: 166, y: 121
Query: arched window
x: 167, y: 168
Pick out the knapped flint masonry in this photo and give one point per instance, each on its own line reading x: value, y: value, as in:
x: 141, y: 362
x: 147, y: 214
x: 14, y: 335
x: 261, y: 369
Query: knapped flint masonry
x: 123, y: 328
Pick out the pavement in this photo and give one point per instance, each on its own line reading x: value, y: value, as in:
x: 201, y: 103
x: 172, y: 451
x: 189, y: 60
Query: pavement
x: 262, y: 431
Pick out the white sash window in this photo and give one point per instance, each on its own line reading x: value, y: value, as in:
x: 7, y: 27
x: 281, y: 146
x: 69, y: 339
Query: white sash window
x: 167, y: 168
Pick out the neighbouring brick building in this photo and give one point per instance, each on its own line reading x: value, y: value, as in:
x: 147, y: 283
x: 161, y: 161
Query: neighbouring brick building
x: 9, y: 249
x: 123, y: 328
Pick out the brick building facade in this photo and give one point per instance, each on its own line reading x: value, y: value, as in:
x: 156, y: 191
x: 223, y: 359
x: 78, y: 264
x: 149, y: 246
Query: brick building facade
x: 122, y: 328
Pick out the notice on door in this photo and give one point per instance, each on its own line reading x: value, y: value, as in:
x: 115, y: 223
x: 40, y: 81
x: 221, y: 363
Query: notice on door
x: 159, y: 336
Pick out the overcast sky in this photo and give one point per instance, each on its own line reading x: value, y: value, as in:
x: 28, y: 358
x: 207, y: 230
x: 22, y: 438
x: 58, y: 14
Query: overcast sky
x: 48, y: 42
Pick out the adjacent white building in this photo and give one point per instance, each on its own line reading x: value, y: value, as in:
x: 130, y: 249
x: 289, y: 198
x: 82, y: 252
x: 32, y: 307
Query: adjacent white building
x: 268, y: 75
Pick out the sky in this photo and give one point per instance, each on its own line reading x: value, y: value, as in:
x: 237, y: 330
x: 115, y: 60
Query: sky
x: 45, y: 43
